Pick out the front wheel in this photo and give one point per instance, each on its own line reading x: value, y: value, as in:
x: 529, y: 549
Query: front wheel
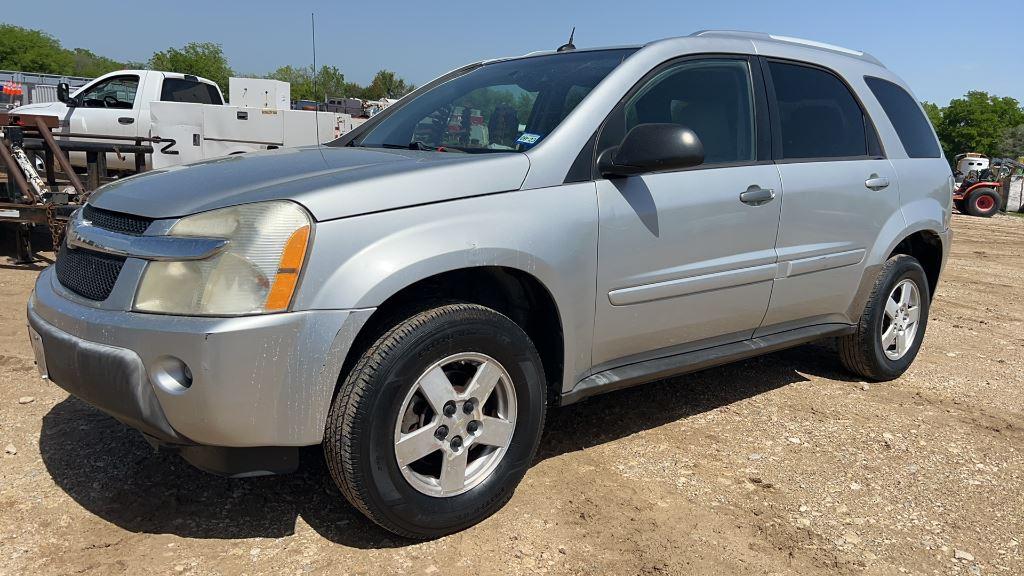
x: 891, y: 329
x: 438, y: 421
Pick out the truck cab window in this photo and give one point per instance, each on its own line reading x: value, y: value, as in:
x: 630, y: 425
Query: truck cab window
x: 117, y: 92
x: 183, y: 90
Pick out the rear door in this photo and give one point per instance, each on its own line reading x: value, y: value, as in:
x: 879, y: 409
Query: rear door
x: 683, y: 262
x: 839, y: 189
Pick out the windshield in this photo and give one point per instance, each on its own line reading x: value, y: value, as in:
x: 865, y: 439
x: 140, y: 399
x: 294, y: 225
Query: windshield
x: 507, y: 106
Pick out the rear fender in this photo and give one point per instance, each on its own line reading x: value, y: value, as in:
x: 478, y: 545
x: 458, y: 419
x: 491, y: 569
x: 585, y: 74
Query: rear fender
x: 973, y: 187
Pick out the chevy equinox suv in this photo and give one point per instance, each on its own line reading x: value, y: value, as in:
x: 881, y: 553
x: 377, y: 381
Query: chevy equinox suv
x: 515, y: 234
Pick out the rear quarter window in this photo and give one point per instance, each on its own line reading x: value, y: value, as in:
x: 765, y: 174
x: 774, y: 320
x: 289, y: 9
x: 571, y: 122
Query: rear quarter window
x: 911, y: 125
x: 184, y: 90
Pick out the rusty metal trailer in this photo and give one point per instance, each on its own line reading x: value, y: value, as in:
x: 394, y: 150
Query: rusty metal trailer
x: 49, y: 199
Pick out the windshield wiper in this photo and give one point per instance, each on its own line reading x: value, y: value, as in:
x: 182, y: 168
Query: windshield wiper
x: 414, y: 145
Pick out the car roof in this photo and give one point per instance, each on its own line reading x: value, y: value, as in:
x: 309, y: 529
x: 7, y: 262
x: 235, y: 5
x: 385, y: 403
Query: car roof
x: 755, y: 38
x: 762, y: 37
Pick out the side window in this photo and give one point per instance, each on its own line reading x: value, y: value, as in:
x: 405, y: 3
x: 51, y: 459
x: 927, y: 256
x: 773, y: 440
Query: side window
x: 184, y: 90
x: 912, y: 126
x: 117, y: 92
x: 713, y: 97
x: 818, y: 116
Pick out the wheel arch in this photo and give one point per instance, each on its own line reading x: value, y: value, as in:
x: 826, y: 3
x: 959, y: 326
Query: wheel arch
x: 511, y: 291
x: 926, y: 247
x: 919, y: 238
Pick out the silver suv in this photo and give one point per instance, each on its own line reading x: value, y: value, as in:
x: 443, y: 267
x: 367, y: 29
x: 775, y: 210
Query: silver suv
x: 517, y: 234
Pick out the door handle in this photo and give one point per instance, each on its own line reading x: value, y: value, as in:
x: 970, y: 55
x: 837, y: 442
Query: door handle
x: 755, y: 195
x: 876, y: 182
x: 126, y: 120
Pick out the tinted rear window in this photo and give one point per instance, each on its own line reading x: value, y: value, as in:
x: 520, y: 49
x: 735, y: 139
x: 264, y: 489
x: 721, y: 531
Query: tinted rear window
x: 818, y: 116
x: 911, y: 124
x: 182, y: 90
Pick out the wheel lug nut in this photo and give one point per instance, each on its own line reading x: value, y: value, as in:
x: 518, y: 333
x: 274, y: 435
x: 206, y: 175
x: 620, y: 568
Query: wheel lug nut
x: 472, y: 427
x: 441, y: 433
x: 467, y: 407
x: 456, y: 443
x: 449, y: 408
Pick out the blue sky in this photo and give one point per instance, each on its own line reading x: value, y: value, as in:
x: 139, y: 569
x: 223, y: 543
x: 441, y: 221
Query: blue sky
x: 926, y: 43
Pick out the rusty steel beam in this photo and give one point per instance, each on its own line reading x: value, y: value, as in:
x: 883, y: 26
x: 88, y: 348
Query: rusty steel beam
x: 62, y: 159
x: 14, y: 171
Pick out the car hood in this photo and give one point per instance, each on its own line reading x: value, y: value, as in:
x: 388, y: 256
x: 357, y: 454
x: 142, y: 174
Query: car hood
x: 331, y: 182
x: 44, y: 109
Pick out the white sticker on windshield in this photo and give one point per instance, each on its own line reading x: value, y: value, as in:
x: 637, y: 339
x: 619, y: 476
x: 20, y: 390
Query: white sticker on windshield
x: 528, y: 138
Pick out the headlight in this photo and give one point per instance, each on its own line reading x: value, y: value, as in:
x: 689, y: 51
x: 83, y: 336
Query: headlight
x: 256, y: 273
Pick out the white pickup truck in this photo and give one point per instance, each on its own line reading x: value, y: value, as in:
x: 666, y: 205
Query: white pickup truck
x: 191, y: 111
x: 118, y: 104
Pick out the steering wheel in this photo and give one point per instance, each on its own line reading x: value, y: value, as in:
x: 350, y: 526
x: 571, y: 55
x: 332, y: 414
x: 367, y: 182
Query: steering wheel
x: 110, y: 101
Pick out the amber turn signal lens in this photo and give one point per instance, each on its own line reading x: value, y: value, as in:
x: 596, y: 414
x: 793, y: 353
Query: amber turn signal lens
x: 287, y: 278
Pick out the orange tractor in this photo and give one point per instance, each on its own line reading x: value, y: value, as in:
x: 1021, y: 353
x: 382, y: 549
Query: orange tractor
x: 980, y: 182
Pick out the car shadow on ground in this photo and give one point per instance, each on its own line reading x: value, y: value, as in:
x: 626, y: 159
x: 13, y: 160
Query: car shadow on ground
x: 112, y: 472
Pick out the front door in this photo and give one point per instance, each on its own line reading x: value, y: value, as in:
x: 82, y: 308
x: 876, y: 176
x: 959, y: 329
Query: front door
x: 683, y: 261
x: 110, y: 106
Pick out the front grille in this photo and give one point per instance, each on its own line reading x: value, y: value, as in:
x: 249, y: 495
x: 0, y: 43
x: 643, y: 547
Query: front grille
x: 116, y: 221
x: 89, y: 274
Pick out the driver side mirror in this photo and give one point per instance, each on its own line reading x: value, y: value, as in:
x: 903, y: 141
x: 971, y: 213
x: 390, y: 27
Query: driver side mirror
x: 64, y: 95
x: 652, y: 148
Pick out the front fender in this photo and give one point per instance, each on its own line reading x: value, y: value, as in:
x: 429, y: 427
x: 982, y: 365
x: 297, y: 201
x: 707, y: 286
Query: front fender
x: 550, y: 234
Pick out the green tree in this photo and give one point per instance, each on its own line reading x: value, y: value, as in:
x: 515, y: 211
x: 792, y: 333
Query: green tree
x: 934, y: 112
x: 352, y: 90
x: 329, y: 82
x: 86, y: 63
x: 387, y: 84
x: 976, y: 123
x: 1012, y: 143
x: 205, y: 59
x: 27, y: 50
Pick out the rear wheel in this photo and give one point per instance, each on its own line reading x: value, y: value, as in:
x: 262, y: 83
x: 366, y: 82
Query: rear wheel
x: 438, y: 421
x: 983, y: 202
x: 892, y: 326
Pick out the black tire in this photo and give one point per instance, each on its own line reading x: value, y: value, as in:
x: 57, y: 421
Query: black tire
x: 359, y: 438
x: 983, y: 202
x: 960, y: 206
x: 862, y: 352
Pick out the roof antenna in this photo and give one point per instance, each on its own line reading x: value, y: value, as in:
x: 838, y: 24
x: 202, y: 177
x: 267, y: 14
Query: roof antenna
x: 568, y: 45
x: 316, y: 111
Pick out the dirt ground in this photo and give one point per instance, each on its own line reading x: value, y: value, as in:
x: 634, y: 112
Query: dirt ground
x: 778, y: 465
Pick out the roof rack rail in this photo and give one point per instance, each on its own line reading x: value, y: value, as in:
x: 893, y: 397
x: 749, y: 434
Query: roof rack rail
x: 740, y: 34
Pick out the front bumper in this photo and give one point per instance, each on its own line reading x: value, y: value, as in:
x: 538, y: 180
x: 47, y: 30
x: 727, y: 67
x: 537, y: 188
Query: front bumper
x: 256, y: 381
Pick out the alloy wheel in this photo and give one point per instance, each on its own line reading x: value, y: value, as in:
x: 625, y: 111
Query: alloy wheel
x: 902, y: 319
x: 455, y: 424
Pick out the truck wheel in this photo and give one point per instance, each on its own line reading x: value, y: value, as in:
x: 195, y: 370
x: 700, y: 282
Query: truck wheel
x: 438, y: 421
x: 892, y: 326
x: 983, y: 202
